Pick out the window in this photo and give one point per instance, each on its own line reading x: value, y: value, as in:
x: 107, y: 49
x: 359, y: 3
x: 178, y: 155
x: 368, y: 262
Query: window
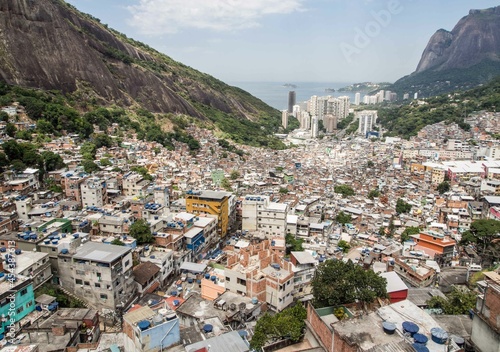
x: 78, y: 282
x: 228, y: 279
x: 104, y: 296
x: 24, y: 291
x: 98, y: 285
x: 127, y: 263
x: 19, y: 310
x: 29, y: 304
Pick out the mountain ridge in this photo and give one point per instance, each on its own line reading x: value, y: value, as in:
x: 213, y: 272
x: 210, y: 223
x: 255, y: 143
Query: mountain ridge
x: 64, y: 49
x: 466, y: 56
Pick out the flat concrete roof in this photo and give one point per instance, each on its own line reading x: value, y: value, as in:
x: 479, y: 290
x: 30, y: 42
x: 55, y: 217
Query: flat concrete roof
x: 100, y: 252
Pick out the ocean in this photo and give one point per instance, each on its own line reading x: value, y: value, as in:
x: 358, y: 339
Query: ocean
x: 275, y: 94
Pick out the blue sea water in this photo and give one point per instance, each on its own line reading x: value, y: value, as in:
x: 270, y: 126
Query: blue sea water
x: 275, y: 94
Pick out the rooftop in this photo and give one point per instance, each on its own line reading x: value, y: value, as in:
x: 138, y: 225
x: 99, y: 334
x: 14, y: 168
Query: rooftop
x: 100, y: 252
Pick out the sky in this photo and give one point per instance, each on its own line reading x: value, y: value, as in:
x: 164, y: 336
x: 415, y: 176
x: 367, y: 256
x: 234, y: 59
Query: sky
x: 287, y: 40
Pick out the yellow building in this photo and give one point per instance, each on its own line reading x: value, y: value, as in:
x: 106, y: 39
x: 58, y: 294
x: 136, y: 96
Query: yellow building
x: 213, y: 203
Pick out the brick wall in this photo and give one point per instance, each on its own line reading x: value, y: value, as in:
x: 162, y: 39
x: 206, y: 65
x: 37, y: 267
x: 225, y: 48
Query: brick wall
x: 492, y: 301
x: 323, y: 332
x: 341, y: 345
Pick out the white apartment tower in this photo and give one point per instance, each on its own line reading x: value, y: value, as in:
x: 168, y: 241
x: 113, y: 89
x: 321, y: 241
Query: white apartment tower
x: 305, y: 121
x: 314, y: 127
x: 367, y: 120
x: 357, y: 98
x: 284, y: 119
x: 296, y: 111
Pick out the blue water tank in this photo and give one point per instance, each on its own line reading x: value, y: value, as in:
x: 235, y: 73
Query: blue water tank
x: 255, y: 300
x: 439, y: 336
x: 64, y: 251
x: 173, y: 293
x: 190, y: 280
x: 420, y: 339
x: 76, y: 235
x: 420, y: 348
x: 18, y: 251
x: 410, y: 328
x: 213, y: 278
x: 207, y: 276
x: 143, y: 324
x: 389, y: 328
x: 208, y: 328
x: 3, y: 249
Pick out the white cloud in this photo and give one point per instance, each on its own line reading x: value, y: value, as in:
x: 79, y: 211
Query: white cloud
x: 170, y: 16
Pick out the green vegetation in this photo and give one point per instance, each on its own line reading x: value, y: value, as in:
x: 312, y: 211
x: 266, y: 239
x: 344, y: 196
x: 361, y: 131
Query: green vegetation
x: 22, y: 155
x: 336, y: 283
x: 143, y: 172
x: 62, y: 298
x: 226, y: 184
x: 484, y: 234
x: 345, y: 122
x: 117, y: 242
x: 141, y: 231
x: 343, y: 218
x: 443, y: 187
x: 288, y: 324
x: 234, y: 175
x: 374, y: 193
x: 344, y: 246
x: 229, y: 147
x: 407, y: 120
x: 402, y: 207
x: 459, y: 301
x: 293, y: 244
x: 412, y: 230
x: 345, y: 190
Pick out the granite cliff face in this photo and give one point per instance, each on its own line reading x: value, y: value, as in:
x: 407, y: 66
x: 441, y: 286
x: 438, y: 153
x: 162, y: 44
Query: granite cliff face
x: 48, y: 44
x: 467, y: 56
x: 476, y: 37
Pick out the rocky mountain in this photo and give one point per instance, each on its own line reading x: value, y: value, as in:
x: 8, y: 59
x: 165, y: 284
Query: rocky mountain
x: 463, y: 58
x: 50, y: 45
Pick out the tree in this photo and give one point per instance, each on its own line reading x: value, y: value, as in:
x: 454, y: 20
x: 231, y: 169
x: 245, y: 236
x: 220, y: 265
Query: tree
x: 412, y: 230
x: 443, y: 187
x: 52, y: 161
x: 459, y: 301
x: 484, y: 234
x: 374, y: 193
x: 336, y: 283
x: 10, y: 130
x: 344, y: 246
x: 226, y: 184
x: 343, y: 218
x: 289, y: 323
x: 105, y: 162
x: 103, y: 140
x: 283, y: 190
x: 370, y: 164
x: 18, y: 165
x: 234, y: 175
x: 293, y: 244
x: 89, y: 166
x: 88, y: 150
x: 344, y: 190
x: 141, y: 231
x: 402, y: 207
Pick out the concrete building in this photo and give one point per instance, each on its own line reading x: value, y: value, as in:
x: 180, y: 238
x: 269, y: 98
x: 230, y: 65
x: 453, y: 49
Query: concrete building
x: 35, y: 265
x: 150, y: 330
x: 259, y: 214
x: 330, y: 123
x: 284, y: 119
x: 486, y: 320
x: 304, y: 267
x: 357, y: 98
x: 17, y: 300
x: 314, y: 127
x: 134, y: 184
x: 100, y: 274
x: 93, y: 192
x: 367, y: 120
x: 162, y: 195
x: 218, y: 203
x: 291, y: 100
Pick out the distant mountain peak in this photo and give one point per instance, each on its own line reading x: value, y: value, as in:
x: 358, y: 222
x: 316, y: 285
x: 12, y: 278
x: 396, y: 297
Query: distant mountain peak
x: 476, y: 37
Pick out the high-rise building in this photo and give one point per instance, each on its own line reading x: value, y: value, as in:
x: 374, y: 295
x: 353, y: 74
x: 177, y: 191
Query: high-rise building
x: 406, y: 96
x: 312, y: 105
x: 366, y: 99
x: 305, y: 121
x: 357, y: 98
x: 314, y: 127
x: 367, y: 119
x: 330, y: 123
x: 291, y: 100
x: 415, y: 96
x: 338, y: 107
x: 296, y: 111
x: 388, y: 95
x: 284, y: 119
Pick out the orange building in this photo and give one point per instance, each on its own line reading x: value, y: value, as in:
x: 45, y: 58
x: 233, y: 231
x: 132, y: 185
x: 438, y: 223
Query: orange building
x: 436, y: 245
